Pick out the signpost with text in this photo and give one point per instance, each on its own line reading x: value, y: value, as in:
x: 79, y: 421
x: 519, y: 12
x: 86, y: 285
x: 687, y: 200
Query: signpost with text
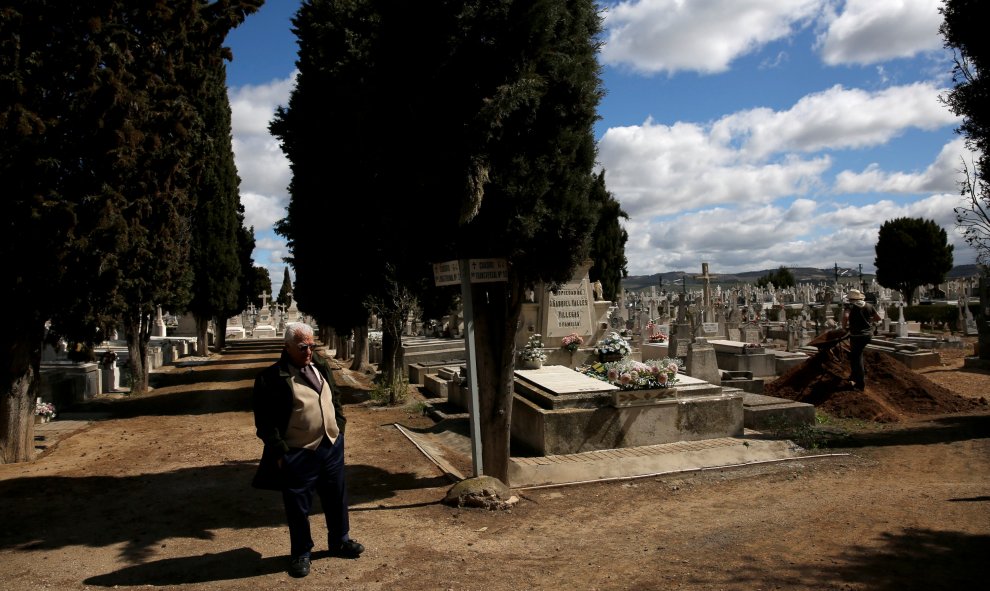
x: 464, y: 273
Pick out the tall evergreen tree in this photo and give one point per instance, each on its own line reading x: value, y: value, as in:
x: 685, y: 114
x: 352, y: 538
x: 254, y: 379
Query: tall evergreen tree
x: 538, y: 60
x: 509, y: 89
x: 608, y: 240
x: 324, y: 49
x: 94, y: 119
x: 285, y: 292
x: 214, y: 254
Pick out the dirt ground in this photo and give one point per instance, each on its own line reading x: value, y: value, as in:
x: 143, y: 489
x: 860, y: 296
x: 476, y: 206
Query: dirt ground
x: 157, y: 494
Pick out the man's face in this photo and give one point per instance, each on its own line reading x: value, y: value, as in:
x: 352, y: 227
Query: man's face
x: 301, y: 350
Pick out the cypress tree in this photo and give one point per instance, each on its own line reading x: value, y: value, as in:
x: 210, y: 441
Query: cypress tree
x: 608, y: 240
x: 95, y: 120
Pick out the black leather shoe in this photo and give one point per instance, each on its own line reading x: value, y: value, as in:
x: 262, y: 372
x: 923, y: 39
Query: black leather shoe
x: 348, y: 549
x: 299, y: 567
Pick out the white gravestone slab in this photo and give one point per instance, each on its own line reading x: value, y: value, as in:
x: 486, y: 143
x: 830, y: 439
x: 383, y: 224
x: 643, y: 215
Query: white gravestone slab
x: 569, y: 310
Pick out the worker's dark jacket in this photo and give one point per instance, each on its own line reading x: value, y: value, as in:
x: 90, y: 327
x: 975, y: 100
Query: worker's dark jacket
x: 861, y: 320
x: 272, y: 408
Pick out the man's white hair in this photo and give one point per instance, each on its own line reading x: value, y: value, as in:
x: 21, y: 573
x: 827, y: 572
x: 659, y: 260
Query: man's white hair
x: 297, y: 331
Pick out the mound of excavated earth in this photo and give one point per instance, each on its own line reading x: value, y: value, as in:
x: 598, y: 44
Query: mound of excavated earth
x: 893, y: 391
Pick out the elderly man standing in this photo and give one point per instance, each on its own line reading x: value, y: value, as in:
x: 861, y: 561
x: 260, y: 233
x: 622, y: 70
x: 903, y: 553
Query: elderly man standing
x: 301, y: 422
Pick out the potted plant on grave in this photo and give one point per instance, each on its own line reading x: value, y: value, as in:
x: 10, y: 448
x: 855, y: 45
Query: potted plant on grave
x: 612, y: 348
x: 532, y: 354
x: 571, y: 342
x: 44, y: 412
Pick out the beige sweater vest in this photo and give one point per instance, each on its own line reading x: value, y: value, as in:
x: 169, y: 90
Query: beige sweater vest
x: 312, y: 415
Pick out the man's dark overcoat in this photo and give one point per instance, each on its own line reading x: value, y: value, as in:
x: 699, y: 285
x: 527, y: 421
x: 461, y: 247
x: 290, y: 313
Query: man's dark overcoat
x: 272, y: 401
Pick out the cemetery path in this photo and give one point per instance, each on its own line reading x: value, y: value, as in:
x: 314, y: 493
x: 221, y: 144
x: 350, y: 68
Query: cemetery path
x: 158, y: 495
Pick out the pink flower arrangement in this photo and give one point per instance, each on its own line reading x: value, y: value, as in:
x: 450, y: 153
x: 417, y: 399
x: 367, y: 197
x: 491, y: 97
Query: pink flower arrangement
x: 636, y: 375
x: 654, y: 334
x: 572, y: 341
x: 45, y: 409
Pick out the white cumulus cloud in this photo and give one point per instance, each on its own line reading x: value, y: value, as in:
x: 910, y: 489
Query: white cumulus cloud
x: 871, y: 31
x: 942, y: 175
x: 836, y: 118
x: 700, y: 35
x: 261, y: 165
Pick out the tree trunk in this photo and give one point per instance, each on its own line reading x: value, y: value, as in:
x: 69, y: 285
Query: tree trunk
x: 20, y: 364
x: 983, y: 318
x: 137, y: 352
x: 328, y: 336
x: 360, y: 360
x: 391, y: 363
x: 221, y: 324
x: 341, y: 347
x: 202, y: 344
x: 496, y: 313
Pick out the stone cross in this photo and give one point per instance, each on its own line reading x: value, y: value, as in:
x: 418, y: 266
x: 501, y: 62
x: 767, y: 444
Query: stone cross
x: 681, y: 309
x: 264, y: 299
x: 706, y: 291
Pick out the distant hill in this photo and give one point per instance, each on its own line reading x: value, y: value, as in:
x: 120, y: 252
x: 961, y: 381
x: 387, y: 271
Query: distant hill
x: 671, y: 280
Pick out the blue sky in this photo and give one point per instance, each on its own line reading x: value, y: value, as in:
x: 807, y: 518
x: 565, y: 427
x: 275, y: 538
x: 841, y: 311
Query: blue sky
x: 748, y: 134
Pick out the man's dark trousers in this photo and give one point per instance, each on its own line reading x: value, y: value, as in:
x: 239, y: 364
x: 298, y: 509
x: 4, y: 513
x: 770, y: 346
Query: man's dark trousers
x: 857, y: 345
x: 321, y: 470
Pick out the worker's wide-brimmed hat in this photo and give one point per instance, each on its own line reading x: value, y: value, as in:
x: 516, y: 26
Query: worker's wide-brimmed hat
x: 855, y: 294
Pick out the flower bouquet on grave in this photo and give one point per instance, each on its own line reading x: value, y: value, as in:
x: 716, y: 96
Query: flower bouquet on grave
x: 753, y: 349
x: 613, y: 347
x: 532, y: 354
x: 45, y: 411
x: 654, y: 334
x: 571, y: 342
x: 627, y: 374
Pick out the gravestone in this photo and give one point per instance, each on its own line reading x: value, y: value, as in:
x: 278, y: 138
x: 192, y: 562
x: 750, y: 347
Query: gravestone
x: 680, y: 336
x: 263, y: 328
x: 701, y: 362
x: 751, y: 333
x: 901, y: 329
x: 567, y: 310
x: 158, y: 326
x: 292, y: 312
x: 972, y: 329
x: 572, y: 308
